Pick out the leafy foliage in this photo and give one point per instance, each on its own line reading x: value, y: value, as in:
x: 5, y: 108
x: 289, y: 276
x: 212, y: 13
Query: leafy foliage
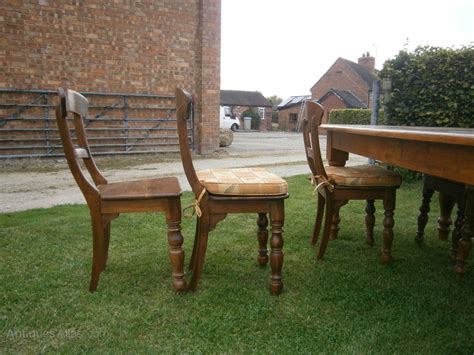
x: 255, y: 123
x: 354, y: 116
x: 407, y: 174
x: 431, y: 87
x: 275, y: 100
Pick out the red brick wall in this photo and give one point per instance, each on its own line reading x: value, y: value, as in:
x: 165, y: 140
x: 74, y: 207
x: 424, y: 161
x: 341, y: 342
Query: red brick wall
x: 340, y: 76
x: 367, y: 62
x: 329, y: 103
x: 208, y: 79
x: 130, y: 47
x: 284, y: 123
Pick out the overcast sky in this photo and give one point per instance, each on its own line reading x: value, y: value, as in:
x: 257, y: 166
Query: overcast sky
x: 282, y: 47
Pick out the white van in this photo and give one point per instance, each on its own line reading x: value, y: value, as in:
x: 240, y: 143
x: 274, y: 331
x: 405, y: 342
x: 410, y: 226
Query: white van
x: 227, y: 120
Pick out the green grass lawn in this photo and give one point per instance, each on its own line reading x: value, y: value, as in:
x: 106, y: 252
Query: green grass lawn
x: 349, y: 303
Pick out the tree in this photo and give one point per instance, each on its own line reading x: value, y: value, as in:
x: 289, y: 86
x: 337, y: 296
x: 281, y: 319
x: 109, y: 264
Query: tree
x: 275, y: 100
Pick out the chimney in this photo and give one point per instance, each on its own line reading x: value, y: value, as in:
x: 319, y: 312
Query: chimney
x: 367, y: 62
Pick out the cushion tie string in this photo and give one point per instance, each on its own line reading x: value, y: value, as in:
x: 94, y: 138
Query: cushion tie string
x: 320, y: 180
x: 196, y: 209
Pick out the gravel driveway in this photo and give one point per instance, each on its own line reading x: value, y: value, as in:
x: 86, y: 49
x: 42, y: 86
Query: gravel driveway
x: 281, y: 152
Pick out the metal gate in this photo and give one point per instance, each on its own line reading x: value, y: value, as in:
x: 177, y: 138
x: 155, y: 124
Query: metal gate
x: 117, y: 124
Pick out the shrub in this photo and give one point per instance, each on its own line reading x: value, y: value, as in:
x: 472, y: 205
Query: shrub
x: 354, y: 116
x: 430, y: 87
x: 255, y: 123
x: 407, y: 174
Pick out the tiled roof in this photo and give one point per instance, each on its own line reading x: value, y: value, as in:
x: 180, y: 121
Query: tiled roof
x: 243, y: 98
x: 366, y: 75
x: 347, y: 97
x: 362, y: 71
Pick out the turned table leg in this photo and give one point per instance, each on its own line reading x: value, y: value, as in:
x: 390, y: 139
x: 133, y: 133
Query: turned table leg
x: 467, y: 232
x: 446, y: 205
x: 175, y: 242
x: 458, y: 223
x: 423, y: 216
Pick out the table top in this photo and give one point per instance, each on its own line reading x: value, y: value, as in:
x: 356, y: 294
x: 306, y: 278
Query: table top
x: 443, y: 152
x: 458, y: 136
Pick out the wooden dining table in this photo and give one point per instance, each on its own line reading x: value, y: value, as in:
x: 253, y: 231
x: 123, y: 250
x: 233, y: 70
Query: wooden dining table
x: 438, y: 151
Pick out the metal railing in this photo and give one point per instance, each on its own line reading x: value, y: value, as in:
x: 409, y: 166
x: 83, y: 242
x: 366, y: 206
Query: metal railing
x: 117, y: 124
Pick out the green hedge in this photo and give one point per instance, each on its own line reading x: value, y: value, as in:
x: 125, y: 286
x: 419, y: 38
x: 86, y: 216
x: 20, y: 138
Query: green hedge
x: 430, y: 87
x: 354, y: 116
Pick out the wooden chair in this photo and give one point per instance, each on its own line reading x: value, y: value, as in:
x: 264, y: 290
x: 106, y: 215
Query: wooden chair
x: 107, y: 200
x: 222, y: 191
x: 450, y: 193
x: 335, y: 186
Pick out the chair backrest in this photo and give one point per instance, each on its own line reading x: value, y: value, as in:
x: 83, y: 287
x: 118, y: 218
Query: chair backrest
x: 72, y: 102
x: 311, y: 122
x: 184, y: 112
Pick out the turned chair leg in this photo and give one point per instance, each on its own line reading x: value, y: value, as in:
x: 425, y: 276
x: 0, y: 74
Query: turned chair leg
x: 446, y: 205
x: 370, y: 221
x: 262, y: 236
x: 335, y: 224
x: 336, y: 219
x: 330, y: 210
x: 202, y: 234
x: 277, y: 217
x: 388, y: 223
x: 319, y: 219
x: 175, y: 243
x: 423, y: 216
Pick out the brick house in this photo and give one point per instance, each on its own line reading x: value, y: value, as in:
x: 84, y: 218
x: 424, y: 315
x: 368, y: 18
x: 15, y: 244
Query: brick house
x: 241, y: 101
x: 142, y: 47
x: 339, y: 99
x: 288, y: 112
x: 351, y: 84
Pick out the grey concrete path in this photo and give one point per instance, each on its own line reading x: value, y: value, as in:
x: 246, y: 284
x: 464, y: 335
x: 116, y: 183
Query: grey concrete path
x: 280, y: 152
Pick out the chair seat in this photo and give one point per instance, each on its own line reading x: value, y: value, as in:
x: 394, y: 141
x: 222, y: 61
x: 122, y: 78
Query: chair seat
x: 242, y: 182
x: 140, y: 189
x: 362, y: 175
